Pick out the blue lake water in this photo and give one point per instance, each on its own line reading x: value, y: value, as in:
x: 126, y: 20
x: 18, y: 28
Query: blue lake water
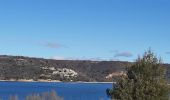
x: 69, y: 91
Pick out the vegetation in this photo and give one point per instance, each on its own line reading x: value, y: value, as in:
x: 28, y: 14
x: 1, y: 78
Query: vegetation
x: 43, y: 96
x: 144, y: 80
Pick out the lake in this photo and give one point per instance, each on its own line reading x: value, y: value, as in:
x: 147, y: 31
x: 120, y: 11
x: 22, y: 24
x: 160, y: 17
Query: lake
x: 69, y: 91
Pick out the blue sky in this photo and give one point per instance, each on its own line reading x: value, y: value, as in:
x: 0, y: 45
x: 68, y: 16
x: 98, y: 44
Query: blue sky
x: 85, y: 29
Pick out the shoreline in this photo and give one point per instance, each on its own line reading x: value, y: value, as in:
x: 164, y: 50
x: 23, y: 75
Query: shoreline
x: 49, y: 81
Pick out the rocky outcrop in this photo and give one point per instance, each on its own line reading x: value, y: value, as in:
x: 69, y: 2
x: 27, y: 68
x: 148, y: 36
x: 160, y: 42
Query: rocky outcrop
x: 66, y: 73
x: 62, y: 73
x: 116, y: 74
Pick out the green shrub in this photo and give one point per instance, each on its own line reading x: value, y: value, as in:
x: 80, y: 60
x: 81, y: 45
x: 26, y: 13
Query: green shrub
x: 144, y: 80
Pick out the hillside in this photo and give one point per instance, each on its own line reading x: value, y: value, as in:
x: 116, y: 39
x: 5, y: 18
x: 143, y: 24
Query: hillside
x: 18, y: 67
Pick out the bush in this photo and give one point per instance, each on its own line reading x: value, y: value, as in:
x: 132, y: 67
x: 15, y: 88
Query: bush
x: 44, y: 96
x: 15, y: 97
x: 144, y: 80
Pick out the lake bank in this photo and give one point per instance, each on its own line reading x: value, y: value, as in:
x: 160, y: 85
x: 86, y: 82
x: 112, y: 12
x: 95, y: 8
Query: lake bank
x: 48, y: 81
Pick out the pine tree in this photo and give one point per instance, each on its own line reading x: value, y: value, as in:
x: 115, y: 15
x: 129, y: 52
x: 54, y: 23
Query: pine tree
x: 144, y: 80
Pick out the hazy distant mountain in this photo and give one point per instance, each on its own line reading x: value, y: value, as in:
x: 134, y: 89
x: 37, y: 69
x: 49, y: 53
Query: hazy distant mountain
x: 18, y: 67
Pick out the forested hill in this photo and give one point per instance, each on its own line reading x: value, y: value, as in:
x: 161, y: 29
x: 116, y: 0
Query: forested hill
x: 19, y: 67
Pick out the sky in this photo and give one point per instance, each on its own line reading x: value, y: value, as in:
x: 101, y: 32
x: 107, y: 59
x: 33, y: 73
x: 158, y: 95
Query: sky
x: 85, y: 29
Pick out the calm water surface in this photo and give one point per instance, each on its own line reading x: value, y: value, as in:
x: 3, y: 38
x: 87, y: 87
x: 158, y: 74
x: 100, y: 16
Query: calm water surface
x: 69, y: 91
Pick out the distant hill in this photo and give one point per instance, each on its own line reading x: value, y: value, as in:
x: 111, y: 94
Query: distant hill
x: 19, y: 67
